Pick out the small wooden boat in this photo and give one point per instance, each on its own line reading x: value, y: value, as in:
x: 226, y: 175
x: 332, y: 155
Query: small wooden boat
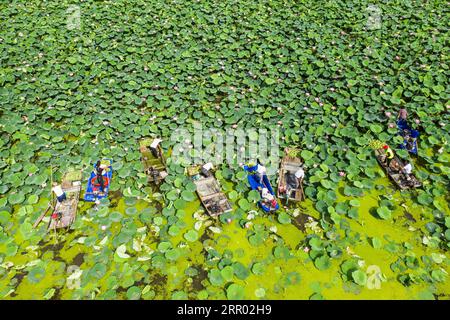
x: 409, y: 135
x: 154, y: 166
x: 289, y: 186
x: 259, y: 186
x: 209, y: 192
x: 393, y: 170
x: 93, y: 191
x: 64, y: 213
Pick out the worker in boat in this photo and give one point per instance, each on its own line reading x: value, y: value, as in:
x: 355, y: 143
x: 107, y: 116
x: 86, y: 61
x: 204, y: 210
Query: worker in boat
x: 293, y: 180
x: 291, y: 183
x: 59, y: 192
x: 99, y: 171
x: 154, y: 147
x: 205, y: 169
x: 411, y: 140
x: 388, y: 154
x: 268, y: 198
x: 260, y: 171
x: 402, y: 118
x: 395, y: 166
x: 154, y: 174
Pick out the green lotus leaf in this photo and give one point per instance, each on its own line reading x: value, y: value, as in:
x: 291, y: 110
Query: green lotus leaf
x: 134, y: 293
x: 359, y: 277
x: 188, y: 196
x: 322, y: 262
x: 240, y: 270
x: 235, y: 292
x: 215, y: 277
x: 191, y: 235
x: 284, y: 218
x: 16, y: 198
x: 384, y: 212
x: 227, y: 273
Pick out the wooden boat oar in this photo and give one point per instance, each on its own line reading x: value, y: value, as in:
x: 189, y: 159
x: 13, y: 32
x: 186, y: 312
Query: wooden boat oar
x: 50, y: 205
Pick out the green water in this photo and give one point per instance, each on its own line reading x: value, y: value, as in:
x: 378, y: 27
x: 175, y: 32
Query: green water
x: 56, y: 253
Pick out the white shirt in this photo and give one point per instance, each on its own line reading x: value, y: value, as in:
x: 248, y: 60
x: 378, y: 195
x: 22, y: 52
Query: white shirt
x: 163, y: 174
x: 265, y: 194
x: 261, y: 170
x: 408, y: 168
x: 300, y: 173
x: 58, y: 190
x: 155, y: 143
x: 208, y: 166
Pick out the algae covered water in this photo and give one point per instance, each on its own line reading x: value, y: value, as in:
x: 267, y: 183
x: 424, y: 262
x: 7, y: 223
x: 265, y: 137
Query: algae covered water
x: 85, y: 81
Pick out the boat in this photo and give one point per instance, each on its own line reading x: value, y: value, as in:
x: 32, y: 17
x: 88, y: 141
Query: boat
x: 290, y: 164
x: 409, y: 135
x: 155, y: 166
x: 396, y: 175
x: 255, y: 184
x: 93, y: 191
x: 208, y: 190
x: 64, y: 213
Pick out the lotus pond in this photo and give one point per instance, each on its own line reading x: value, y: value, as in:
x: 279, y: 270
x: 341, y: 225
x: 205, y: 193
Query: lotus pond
x: 82, y: 80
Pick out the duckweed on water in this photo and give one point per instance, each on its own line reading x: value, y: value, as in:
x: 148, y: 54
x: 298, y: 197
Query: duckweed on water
x: 70, y: 94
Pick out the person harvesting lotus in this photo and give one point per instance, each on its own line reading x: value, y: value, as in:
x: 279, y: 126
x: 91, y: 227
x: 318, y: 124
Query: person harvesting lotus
x: 99, y: 169
x: 388, y: 154
x: 59, y: 192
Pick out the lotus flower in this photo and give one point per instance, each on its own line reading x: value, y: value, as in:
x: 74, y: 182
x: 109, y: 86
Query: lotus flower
x: 417, y: 121
x: 229, y: 220
x: 391, y: 125
x: 342, y: 173
x: 306, y: 249
x: 388, y: 114
x: 103, y: 228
